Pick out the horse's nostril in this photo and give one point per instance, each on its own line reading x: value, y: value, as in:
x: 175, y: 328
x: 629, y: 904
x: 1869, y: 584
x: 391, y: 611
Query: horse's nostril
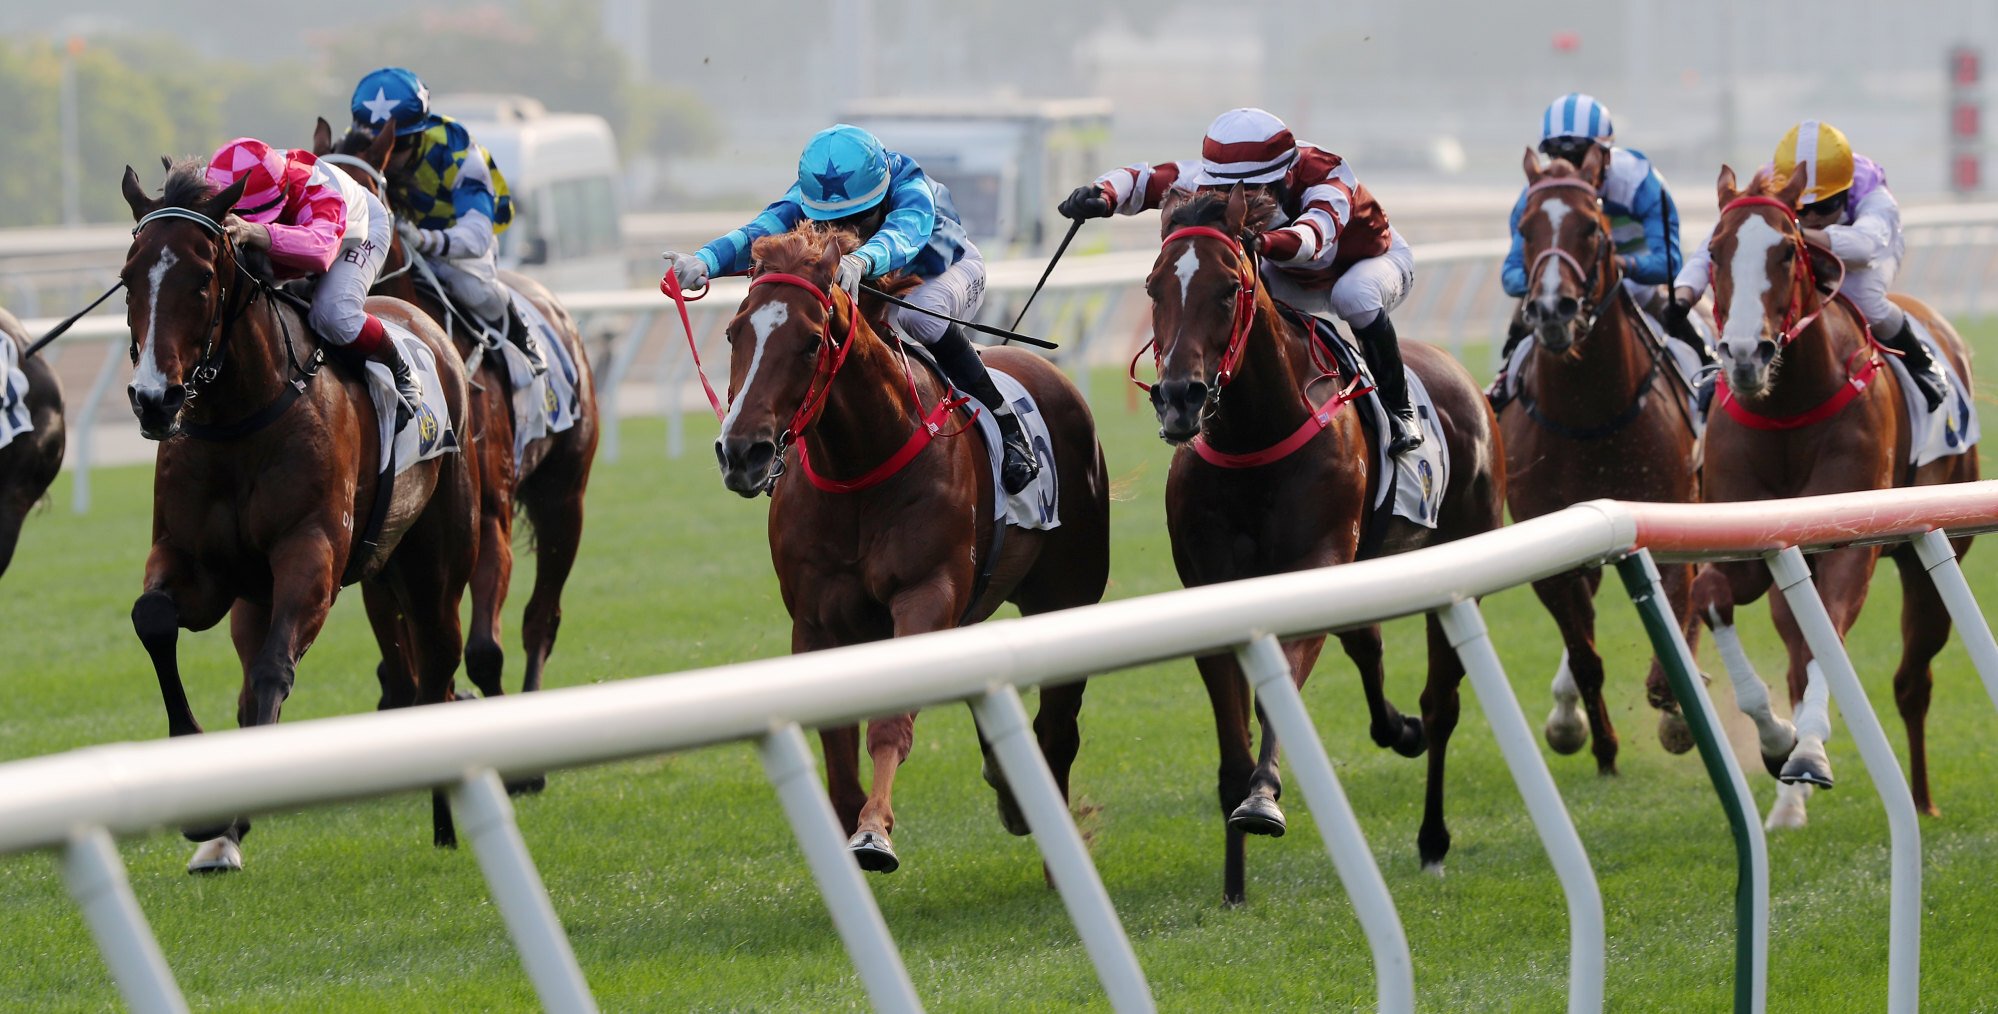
x: 1567, y: 307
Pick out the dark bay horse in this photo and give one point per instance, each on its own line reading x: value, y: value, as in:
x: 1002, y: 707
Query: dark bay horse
x: 1598, y: 415
x: 1215, y: 327
x: 31, y: 460
x: 266, y: 470
x: 1805, y: 408
x: 553, y: 471
x: 862, y: 555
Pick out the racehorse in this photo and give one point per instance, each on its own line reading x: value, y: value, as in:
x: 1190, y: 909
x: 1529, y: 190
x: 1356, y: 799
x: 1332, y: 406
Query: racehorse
x: 1598, y: 414
x: 266, y: 471
x: 553, y: 470
x: 1260, y: 512
x: 1808, y: 409
x: 896, y: 544
x: 31, y: 460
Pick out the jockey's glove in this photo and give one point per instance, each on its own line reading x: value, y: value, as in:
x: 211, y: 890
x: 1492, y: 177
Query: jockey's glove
x: 1677, y: 310
x: 428, y: 242
x: 246, y: 234
x: 689, y: 269
x: 1093, y: 200
x: 852, y: 268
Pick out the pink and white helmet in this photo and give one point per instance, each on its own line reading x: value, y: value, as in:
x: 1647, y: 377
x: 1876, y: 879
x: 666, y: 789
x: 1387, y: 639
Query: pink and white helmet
x: 1245, y: 145
x: 274, y: 177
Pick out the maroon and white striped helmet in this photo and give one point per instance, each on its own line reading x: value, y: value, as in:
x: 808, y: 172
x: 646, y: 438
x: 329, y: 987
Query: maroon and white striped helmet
x: 1245, y: 146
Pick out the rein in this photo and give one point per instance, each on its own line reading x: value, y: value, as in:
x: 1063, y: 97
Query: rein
x: 1858, y: 374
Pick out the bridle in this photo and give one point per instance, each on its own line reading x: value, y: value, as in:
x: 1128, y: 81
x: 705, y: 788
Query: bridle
x: 1803, y: 277
x: 1595, y: 280
x: 1245, y: 307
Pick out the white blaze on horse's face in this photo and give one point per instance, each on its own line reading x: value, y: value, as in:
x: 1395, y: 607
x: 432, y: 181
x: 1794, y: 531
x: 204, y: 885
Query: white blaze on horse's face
x: 1747, y: 325
x: 1550, y: 271
x: 764, y: 320
x: 1186, y: 267
x: 148, y: 379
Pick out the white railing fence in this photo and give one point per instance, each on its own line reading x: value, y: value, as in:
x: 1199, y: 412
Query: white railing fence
x: 74, y: 802
x: 1093, y: 305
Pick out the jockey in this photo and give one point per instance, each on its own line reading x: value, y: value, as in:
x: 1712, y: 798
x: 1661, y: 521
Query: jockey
x: 1331, y: 251
x: 450, y: 190
x: 907, y: 223
x: 1644, y: 221
x: 313, y: 221
x: 1846, y: 208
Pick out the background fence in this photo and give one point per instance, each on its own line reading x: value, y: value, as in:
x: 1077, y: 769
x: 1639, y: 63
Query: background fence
x: 75, y: 801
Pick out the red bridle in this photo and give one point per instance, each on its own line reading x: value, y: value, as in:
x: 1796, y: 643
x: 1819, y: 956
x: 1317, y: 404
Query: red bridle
x: 825, y: 366
x: 1245, y: 306
x: 1803, y: 277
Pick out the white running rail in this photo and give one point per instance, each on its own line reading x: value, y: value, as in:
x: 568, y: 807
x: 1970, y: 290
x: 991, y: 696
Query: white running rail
x: 73, y: 802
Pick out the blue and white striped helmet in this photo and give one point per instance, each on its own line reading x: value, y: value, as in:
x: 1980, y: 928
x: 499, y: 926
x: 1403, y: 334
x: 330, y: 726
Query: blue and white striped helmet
x: 1577, y: 115
x: 844, y: 171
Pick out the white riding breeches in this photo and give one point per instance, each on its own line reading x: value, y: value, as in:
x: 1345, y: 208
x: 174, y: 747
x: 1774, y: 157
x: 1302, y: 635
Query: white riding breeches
x: 959, y: 292
x: 1867, y: 288
x: 339, y: 300
x: 1365, y: 291
x: 474, y: 283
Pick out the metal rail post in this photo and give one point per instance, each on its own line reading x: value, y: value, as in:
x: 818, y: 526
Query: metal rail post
x: 1939, y: 559
x: 1003, y: 720
x: 486, y: 816
x: 787, y: 760
x: 96, y: 879
x: 1751, y: 849
x: 1904, y: 907
x: 1268, y: 672
x: 1465, y: 627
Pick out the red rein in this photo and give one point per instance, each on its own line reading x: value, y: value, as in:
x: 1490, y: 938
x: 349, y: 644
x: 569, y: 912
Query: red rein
x: 820, y: 388
x: 1318, y: 417
x: 1803, y: 281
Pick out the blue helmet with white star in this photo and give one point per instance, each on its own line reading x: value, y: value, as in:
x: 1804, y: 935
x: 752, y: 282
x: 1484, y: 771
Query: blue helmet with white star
x: 844, y: 171
x: 392, y: 95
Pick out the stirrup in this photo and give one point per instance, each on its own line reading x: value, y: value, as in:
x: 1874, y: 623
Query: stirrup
x: 1406, y: 434
x: 1018, y: 465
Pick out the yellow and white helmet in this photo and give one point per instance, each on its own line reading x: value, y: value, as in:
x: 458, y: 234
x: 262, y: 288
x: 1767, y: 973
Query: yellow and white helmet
x: 1821, y: 152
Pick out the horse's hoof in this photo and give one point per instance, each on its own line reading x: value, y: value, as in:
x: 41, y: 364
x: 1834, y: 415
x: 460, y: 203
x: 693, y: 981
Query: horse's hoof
x: 1412, y: 742
x: 1807, y: 768
x: 1258, y: 815
x: 1009, y: 808
x: 1565, y: 730
x: 1788, y: 813
x: 528, y: 786
x: 1434, y: 869
x: 873, y: 852
x: 216, y: 855
x: 1773, y: 763
x: 1673, y: 733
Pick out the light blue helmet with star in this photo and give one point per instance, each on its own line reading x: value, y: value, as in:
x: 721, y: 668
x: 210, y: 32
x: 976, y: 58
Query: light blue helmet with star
x: 844, y: 171
x: 392, y: 95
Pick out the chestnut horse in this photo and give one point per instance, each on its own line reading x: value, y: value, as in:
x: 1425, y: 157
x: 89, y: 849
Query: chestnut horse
x: 1808, y: 408
x: 31, y: 460
x: 1302, y: 510
x: 879, y: 552
x: 551, y: 475
x: 266, y: 470
x: 1599, y: 414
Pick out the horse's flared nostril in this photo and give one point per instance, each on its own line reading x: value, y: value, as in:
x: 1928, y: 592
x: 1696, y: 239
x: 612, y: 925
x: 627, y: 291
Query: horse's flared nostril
x: 745, y: 465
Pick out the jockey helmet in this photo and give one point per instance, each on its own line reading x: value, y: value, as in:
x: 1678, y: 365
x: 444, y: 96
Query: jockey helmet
x: 1821, y: 151
x: 843, y: 171
x: 273, y: 178
x: 1246, y: 145
x: 392, y: 95
x: 1577, y: 115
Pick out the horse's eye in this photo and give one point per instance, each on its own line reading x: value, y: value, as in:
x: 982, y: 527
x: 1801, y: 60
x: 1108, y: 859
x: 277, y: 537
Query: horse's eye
x: 205, y: 277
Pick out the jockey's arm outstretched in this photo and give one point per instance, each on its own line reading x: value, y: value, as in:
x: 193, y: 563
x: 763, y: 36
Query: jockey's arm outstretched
x: 1333, y: 252
x: 907, y: 223
x: 315, y: 222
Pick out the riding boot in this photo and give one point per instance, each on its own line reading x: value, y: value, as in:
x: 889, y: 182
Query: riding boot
x: 1383, y: 352
x: 522, y: 336
x: 374, y: 344
x: 1499, y: 393
x: 961, y: 364
x: 1928, y: 374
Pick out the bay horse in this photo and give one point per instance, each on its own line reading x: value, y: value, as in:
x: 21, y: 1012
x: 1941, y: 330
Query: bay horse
x: 267, y: 467
x: 1807, y: 408
x: 548, y: 481
x: 817, y: 391
x: 1217, y: 328
x: 1598, y: 414
x: 31, y: 460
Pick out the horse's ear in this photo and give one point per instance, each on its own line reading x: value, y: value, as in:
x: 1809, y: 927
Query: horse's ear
x: 829, y: 260
x: 1825, y: 267
x: 1793, y: 188
x: 379, y: 148
x: 1593, y: 166
x: 135, y: 195
x: 1532, y: 165
x: 1167, y: 206
x: 322, y: 137
x: 221, y: 204
x: 1238, y: 210
x: 1725, y: 187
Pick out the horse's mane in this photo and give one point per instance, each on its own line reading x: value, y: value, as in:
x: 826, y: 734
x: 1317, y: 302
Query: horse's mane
x: 801, y: 250
x: 186, y: 184
x: 1210, y: 207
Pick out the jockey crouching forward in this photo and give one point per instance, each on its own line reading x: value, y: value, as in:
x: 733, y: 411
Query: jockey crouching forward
x: 1329, y: 251
x: 1644, y: 223
x: 906, y: 222
x: 1846, y: 208
x: 315, y: 222
x: 447, y: 187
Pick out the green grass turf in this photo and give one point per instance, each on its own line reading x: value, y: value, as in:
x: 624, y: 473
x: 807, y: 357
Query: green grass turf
x: 681, y: 887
